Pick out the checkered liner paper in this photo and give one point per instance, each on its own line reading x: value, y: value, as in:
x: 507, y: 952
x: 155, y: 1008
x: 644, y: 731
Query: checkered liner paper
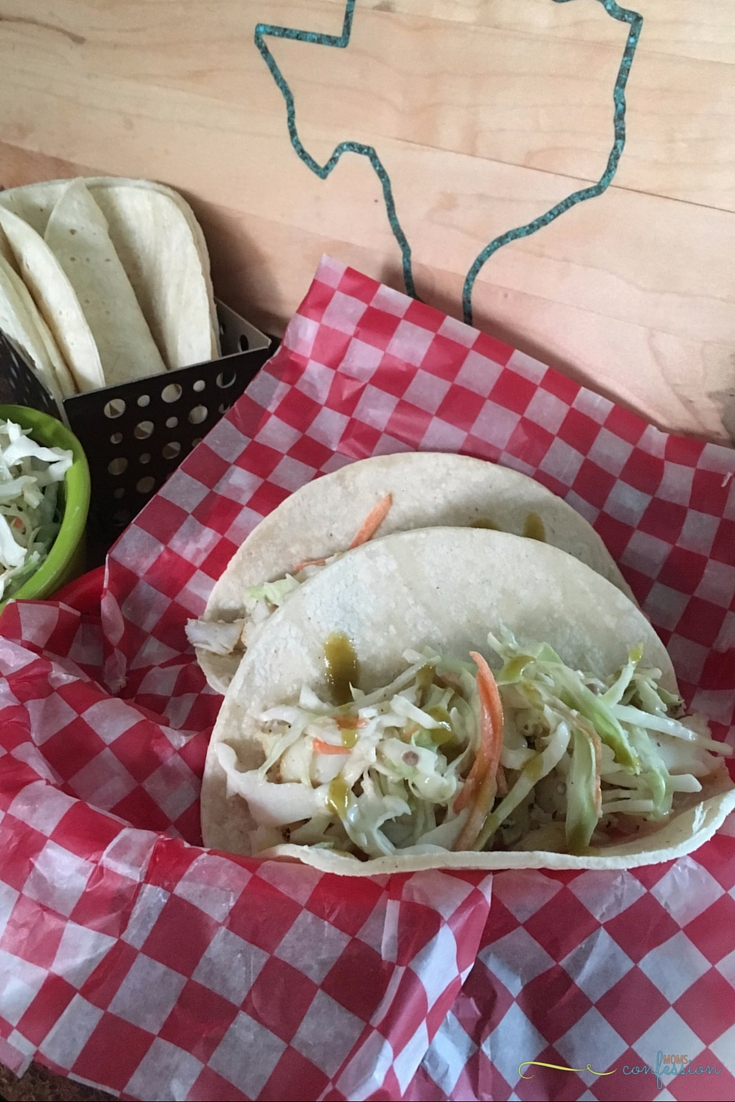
x: 133, y: 959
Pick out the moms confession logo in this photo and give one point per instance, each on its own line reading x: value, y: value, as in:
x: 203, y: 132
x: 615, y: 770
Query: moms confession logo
x: 668, y: 1064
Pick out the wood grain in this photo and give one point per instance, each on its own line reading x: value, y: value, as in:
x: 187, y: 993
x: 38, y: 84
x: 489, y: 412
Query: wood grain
x: 485, y: 113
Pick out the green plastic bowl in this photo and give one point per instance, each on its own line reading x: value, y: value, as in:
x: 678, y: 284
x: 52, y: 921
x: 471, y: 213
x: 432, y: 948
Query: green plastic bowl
x: 66, y: 558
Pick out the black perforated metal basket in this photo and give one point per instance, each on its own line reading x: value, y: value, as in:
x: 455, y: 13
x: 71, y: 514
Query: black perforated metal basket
x: 137, y: 433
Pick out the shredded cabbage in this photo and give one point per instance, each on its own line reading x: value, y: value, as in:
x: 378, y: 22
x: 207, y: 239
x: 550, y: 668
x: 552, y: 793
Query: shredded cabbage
x: 30, y: 475
x: 259, y: 602
x: 583, y: 759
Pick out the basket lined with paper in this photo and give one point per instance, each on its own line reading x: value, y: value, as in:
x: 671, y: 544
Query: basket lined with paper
x: 156, y: 966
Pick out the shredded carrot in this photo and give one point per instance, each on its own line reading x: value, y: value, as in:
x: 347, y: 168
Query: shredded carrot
x: 466, y: 796
x: 366, y: 531
x: 319, y: 746
x: 308, y: 562
x: 349, y: 723
x: 490, y: 699
x: 373, y: 521
x: 490, y: 744
x: 502, y: 782
x: 483, y: 780
x: 478, y: 814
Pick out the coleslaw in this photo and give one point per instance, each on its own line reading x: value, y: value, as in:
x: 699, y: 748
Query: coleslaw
x: 30, y: 477
x: 451, y: 756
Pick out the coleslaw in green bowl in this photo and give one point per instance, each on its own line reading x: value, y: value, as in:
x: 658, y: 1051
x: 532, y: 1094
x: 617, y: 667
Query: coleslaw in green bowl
x: 44, y: 502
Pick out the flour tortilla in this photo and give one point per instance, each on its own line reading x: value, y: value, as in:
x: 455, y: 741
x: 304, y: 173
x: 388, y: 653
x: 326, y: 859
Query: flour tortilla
x: 442, y: 588
x: 428, y: 488
x: 27, y: 317
x: 78, y: 236
x: 20, y: 320
x: 6, y: 253
x: 56, y: 300
x: 162, y: 248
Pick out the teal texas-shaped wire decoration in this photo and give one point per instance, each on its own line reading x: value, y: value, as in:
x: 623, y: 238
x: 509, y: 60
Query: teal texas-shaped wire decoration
x: 623, y: 15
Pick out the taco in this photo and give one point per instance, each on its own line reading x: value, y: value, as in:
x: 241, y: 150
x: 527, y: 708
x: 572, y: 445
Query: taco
x: 374, y: 497
x: 365, y: 731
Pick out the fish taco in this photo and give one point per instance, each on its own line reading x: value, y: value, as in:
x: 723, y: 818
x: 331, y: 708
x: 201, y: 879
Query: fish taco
x: 374, y: 498
x: 458, y: 697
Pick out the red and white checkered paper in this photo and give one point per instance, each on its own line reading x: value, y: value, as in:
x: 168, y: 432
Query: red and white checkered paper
x: 134, y: 959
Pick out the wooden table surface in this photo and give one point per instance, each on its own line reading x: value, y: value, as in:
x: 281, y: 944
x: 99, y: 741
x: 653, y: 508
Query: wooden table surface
x: 484, y: 112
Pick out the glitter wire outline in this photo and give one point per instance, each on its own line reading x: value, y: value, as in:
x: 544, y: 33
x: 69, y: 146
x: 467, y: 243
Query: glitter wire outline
x: 340, y: 42
x: 623, y: 15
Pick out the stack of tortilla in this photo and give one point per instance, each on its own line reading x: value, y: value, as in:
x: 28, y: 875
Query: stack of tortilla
x: 458, y: 548
x: 103, y: 281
